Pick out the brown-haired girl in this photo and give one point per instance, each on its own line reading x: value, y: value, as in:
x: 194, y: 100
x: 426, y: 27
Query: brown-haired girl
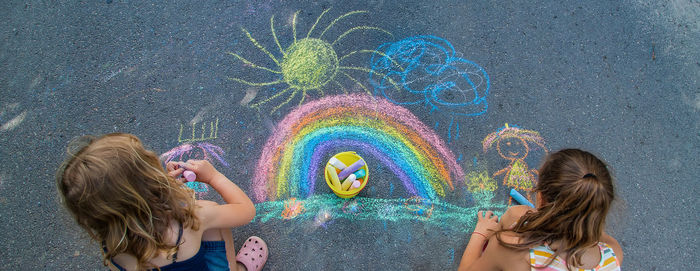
x: 144, y: 218
x: 565, y: 232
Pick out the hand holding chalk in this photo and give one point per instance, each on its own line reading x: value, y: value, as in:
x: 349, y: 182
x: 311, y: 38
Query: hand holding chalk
x: 201, y: 171
x: 189, y: 175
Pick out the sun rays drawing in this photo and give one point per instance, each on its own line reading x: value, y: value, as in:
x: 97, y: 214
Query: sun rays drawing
x: 309, y: 64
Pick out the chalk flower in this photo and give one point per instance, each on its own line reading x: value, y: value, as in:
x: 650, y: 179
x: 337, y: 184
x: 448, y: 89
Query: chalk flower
x: 480, y: 181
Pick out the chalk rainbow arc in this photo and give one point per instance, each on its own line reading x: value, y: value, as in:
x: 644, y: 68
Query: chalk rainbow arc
x: 290, y: 163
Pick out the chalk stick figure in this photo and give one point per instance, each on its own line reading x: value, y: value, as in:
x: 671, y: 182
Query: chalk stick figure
x: 513, y: 144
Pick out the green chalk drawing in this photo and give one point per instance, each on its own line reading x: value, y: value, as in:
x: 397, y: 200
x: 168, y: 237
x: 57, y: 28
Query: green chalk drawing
x: 430, y: 212
x: 478, y: 181
x: 308, y: 64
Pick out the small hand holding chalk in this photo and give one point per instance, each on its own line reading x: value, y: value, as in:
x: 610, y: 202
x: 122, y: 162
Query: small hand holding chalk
x: 174, y: 169
x: 487, y: 224
x: 178, y: 169
x: 202, y: 171
x: 189, y: 175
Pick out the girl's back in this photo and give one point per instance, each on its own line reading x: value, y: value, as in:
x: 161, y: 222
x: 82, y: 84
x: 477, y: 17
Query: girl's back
x: 189, y: 246
x: 143, y: 217
x: 574, y: 194
x: 602, y: 256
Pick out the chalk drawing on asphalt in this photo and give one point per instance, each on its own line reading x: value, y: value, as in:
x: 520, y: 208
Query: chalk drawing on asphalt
x: 194, y: 146
x: 430, y: 73
x: 514, y: 144
x: 309, y: 64
x: 416, y: 158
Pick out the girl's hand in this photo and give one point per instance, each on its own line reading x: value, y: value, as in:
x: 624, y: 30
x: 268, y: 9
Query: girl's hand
x: 204, y: 170
x: 175, y: 169
x: 487, y: 225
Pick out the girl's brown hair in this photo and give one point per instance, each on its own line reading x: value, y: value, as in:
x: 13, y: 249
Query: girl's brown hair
x: 576, y: 192
x: 120, y: 194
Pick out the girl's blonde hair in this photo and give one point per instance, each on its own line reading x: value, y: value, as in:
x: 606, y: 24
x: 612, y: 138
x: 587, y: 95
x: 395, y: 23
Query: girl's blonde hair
x: 577, y: 191
x: 120, y: 194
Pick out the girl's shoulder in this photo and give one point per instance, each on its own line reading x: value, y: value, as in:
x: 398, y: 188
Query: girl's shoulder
x: 201, y: 208
x: 505, y: 258
x: 612, y: 243
x: 510, y: 237
x: 202, y: 203
x: 512, y: 215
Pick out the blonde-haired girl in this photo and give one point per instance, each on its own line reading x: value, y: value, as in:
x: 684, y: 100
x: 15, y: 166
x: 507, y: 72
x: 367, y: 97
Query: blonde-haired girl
x: 565, y: 232
x: 144, y: 218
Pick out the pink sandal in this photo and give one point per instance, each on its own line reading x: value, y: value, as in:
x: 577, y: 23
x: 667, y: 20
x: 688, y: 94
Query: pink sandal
x: 253, y: 254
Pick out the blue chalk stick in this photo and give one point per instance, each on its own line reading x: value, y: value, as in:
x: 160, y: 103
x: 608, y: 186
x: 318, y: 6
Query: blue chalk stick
x: 360, y: 173
x: 519, y: 198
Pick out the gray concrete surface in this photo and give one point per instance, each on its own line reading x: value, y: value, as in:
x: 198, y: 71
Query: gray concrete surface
x: 618, y: 78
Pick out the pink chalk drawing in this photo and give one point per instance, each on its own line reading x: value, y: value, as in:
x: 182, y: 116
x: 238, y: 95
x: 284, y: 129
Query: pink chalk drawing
x: 195, y: 148
x: 198, y: 151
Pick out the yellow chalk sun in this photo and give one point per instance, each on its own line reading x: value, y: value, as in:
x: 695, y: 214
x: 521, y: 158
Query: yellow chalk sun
x: 308, y: 64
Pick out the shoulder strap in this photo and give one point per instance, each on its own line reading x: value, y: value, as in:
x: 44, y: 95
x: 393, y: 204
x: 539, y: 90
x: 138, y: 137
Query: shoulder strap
x: 543, y: 254
x: 607, y: 256
x: 104, y: 249
x: 177, y: 243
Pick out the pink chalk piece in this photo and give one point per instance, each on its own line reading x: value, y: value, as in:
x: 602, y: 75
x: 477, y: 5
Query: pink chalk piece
x: 356, y: 184
x: 350, y: 169
x: 189, y: 175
